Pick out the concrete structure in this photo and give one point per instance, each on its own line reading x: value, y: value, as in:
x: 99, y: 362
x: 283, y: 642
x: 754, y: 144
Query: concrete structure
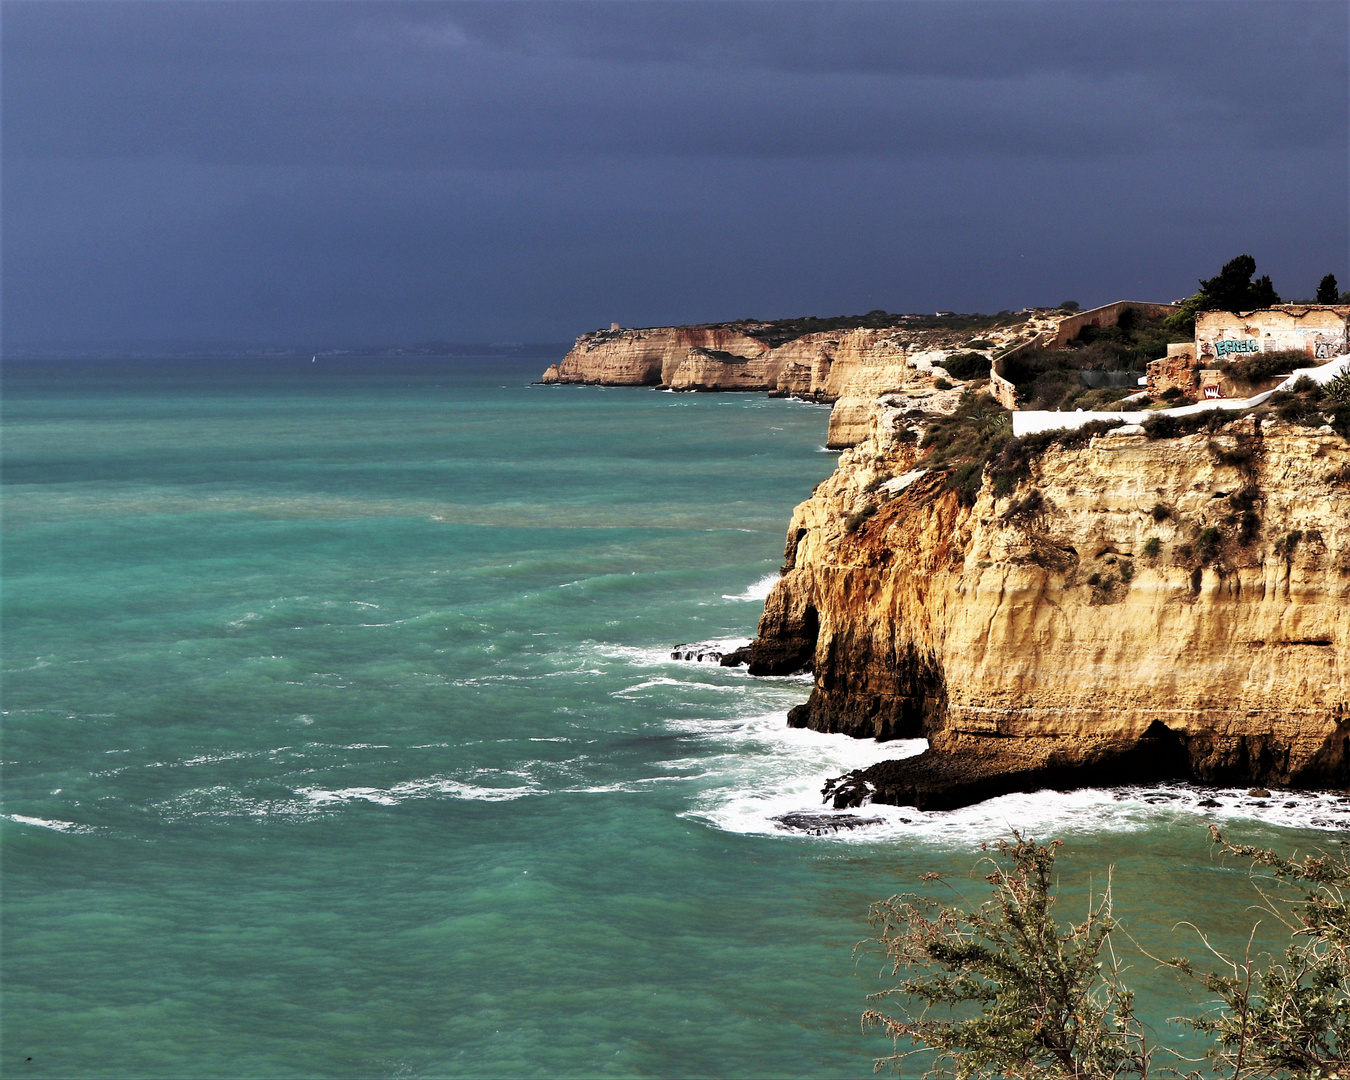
x: 1317, y: 330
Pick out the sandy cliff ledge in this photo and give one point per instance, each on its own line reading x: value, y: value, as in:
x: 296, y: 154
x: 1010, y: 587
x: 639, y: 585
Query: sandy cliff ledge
x: 1111, y: 620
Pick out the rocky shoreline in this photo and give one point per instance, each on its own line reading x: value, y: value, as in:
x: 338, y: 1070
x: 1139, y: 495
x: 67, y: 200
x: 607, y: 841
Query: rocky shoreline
x: 1118, y: 609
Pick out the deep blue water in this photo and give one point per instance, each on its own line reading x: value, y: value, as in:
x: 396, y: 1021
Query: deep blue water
x: 341, y: 738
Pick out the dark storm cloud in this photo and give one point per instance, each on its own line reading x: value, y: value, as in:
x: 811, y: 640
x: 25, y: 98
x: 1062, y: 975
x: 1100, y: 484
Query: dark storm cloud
x: 383, y: 171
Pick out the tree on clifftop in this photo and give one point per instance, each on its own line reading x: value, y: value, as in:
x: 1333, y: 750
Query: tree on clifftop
x: 1231, y: 289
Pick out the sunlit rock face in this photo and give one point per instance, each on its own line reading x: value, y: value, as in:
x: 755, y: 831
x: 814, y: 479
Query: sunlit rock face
x: 1135, y: 610
x: 858, y: 363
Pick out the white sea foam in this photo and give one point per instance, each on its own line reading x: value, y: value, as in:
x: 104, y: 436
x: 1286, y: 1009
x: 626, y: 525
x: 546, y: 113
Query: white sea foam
x: 429, y: 787
x: 758, y: 592
x: 48, y: 823
x: 768, y: 770
x: 649, y: 656
x: 662, y: 681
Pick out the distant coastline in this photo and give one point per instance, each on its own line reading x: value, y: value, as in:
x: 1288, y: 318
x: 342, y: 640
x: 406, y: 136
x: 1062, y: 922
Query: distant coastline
x: 170, y: 350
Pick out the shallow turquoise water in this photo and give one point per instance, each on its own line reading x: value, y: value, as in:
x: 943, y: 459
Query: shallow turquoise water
x: 342, y: 739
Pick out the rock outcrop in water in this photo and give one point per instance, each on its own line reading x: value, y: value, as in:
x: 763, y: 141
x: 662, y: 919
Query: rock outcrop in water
x: 1134, y: 610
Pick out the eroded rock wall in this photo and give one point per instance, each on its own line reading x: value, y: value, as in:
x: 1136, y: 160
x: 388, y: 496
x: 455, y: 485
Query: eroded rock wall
x: 647, y: 357
x: 1137, y: 608
x: 858, y: 363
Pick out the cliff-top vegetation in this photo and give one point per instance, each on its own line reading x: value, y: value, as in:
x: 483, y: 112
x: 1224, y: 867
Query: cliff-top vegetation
x: 1306, y: 405
x: 779, y: 331
x: 1113, y: 358
x: 975, y: 443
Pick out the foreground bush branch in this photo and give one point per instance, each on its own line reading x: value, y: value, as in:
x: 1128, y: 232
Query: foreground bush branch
x: 1003, y: 989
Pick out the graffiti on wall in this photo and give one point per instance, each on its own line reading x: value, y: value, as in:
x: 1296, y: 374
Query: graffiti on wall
x: 1325, y: 347
x: 1241, y: 347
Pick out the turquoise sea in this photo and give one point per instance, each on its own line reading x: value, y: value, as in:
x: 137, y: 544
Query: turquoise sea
x: 342, y: 739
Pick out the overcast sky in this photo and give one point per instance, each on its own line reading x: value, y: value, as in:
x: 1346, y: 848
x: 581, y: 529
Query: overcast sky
x: 317, y: 173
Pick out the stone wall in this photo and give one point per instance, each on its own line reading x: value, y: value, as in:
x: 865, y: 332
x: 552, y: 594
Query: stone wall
x: 1004, y: 392
x: 1175, y: 371
x: 1106, y: 315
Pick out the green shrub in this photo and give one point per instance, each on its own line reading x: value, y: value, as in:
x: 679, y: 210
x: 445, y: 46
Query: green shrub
x: 979, y: 343
x: 1127, y: 572
x: 1152, y: 546
x: 966, y: 365
x: 1285, y: 548
x: 1338, y: 389
x: 854, y: 519
x: 1264, y: 366
x: 1249, y: 528
x: 1208, y: 544
x: 1022, y: 509
x: 967, y: 438
x: 1164, y: 426
x: 966, y: 481
x: 941, y: 384
x: 1004, y: 989
x: 1242, y: 457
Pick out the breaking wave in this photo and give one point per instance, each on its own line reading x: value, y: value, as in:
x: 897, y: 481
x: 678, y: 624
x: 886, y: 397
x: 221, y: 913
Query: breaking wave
x: 764, y: 772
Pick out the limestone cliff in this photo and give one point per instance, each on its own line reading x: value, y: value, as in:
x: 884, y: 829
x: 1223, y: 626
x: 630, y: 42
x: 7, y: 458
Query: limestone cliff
x: 647, y: 357
x: 1134, y: 610
x: 850, y: 366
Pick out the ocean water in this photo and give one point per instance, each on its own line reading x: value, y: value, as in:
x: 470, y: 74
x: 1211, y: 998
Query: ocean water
x: 341, y: 738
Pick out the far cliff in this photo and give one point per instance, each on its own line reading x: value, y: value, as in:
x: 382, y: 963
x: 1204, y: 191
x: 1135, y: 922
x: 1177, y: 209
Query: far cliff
x: 848, y: 361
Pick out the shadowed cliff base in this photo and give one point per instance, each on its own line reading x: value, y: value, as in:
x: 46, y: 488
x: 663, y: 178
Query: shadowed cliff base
x: 944, y: 779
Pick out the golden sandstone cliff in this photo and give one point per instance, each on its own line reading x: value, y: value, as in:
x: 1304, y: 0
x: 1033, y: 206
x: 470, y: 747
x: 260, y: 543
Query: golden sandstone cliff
x: 1118, y: 609
x: 848, y: 367
x: 1133, y: 610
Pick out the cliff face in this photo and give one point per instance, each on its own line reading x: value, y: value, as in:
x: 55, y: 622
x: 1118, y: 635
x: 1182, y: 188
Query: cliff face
x: 644, y: 357
x: 1136, y: 610
x: 850, y: 366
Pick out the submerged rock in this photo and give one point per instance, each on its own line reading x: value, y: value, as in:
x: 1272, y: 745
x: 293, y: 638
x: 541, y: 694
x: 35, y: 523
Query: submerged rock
x: 823, y: 824
x: 702, y: 654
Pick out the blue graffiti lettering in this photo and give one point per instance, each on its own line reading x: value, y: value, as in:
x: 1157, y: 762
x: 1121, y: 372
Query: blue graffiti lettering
x: 1224, y: 348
